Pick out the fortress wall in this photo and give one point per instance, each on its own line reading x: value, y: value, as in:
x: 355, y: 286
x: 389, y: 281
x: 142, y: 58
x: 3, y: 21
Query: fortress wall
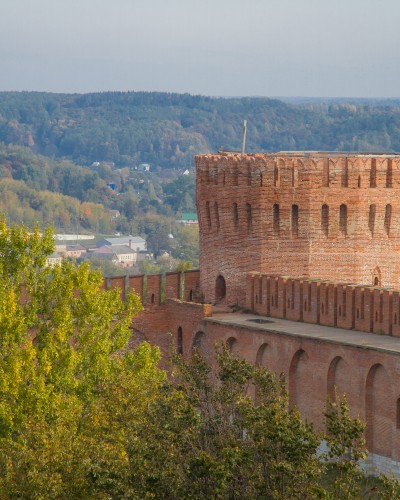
x: 136, y: 283
x: 191, y: 290
x: 118, y: 282
x: 312, y: 368
x: 345, y: 306
x: 328, y: 304
x: 396, y: 314
x: 311, y: 301
x: 322, y: 216
x: 172, y: 285
x: 339, y: 305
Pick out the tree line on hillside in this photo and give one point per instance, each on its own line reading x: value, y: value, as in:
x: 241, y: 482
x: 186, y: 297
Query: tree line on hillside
x: 168, y: 129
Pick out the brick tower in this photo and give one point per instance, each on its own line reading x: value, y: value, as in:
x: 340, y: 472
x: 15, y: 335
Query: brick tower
x: 331, y: 216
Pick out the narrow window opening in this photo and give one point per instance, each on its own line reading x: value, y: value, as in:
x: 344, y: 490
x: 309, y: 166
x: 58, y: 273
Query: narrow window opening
x: 208, y: 212
x: 152, y: 299
x: 249, y: 217
x: 309, y: 297
x: 249, y: 176
x: 343, y: 220
x: 389, y: 174
x: 276, y: 176
x: 372, y: 175
x: 371, y: 219
x: 223, y: 178
x: 388, y: 218
x: 345, y: 174
x: 322, y: 308
x: 180, y: 341
x: 305, y: 305
x: 191, y: 296
x: 295, y: 221
x: 276, y: 293
x: 276, y: 220
x: 376, y: 281
x: 235, y: 215
x: 376, y: 316
x: 216, y: 215
x: 326, y: 173
x: 359, y: 181
x: 325, y: 220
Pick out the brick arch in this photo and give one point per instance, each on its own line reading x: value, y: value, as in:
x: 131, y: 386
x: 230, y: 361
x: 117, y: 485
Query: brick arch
x: 379, y: 411
x: 262, y: 354
x: 298, y: 380
x: 337, y: 377
x: 220, y: 290
x: 376, y: 277
x: 198, y: 341
x: 232, y: 344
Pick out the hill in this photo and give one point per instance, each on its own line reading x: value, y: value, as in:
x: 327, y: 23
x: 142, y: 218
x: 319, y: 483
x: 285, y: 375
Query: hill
x: 166, y: 130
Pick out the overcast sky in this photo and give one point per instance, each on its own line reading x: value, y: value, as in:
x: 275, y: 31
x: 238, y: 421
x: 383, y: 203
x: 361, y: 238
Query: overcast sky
x: 212, y: 47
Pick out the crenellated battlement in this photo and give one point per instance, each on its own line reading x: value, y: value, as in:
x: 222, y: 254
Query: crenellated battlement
x: 322, y: 215
x: 342, y: 305
x: 311, y: 169
x: 156, y: 289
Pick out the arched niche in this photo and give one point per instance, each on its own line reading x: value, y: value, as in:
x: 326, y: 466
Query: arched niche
x: 380, y: 411
x: 220, y: 289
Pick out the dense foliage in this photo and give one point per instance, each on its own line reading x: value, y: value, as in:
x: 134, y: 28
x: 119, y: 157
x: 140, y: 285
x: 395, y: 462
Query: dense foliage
x: 82, y: 416
x: 167, y: 129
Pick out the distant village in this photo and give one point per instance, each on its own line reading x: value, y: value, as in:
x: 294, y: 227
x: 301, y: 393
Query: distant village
x: 122, y: 251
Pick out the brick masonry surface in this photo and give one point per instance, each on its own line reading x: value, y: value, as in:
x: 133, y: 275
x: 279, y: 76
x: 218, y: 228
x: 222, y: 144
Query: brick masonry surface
x: 311, y: 240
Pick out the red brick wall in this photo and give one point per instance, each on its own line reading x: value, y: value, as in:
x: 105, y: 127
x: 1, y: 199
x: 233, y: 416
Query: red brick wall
x: 258, y: 182
x: 136, y: 284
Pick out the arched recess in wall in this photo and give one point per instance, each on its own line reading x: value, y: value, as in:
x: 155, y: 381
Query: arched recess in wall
x: 220, y: 289
x: 380, y: 411
x: 325, y: 220
x: 179, y: 341
x: 343, y: 219
x: 388, y: 219
x: 198, y: 341
x: 372, y: 174
x: 258, y: 178
x: 376, y: 277
x: 235, y: 215
x: 371, y: 219
x: 298, y: 381
x: 337, y: 378
x: 262, y: 355
x: 232, y: 344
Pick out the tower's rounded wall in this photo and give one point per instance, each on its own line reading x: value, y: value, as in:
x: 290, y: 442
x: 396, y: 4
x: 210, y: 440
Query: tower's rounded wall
x: 316, y: 215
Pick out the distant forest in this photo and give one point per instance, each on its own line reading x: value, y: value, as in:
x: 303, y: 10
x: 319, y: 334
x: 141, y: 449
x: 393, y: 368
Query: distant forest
x: 69, y: 160
x: 166, y: 130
